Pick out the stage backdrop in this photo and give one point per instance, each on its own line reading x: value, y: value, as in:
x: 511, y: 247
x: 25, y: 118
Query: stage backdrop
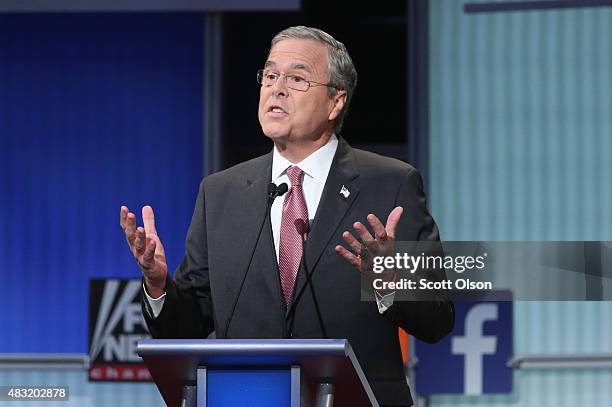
x: 95, y: 111
x: 521, y: 150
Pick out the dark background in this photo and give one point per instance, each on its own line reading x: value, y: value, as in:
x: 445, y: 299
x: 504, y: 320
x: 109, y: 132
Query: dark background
x: 376, y: 38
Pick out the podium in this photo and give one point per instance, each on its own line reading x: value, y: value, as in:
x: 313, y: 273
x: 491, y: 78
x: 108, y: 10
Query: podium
x: 269, y: 372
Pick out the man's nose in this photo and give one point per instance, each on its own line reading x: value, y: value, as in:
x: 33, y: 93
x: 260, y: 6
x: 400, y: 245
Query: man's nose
x: 279, y: 88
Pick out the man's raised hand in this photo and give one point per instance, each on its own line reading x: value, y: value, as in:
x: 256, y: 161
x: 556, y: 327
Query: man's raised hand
x: 381, y: 244
x: 147, y: 249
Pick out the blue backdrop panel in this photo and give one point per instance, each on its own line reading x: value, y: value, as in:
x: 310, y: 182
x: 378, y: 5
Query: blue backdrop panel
x: 95, y: 111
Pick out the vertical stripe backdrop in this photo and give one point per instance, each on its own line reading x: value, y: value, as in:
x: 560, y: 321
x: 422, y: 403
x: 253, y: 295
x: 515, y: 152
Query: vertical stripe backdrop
x: 521, y: 149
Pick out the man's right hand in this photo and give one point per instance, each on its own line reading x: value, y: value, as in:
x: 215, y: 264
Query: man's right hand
x: 146, y: 248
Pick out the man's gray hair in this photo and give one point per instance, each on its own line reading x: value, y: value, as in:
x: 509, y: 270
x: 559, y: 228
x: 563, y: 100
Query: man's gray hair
x: 342, y: 72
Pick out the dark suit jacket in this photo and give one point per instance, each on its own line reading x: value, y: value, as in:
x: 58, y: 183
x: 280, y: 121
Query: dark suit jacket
x: 229, y: 209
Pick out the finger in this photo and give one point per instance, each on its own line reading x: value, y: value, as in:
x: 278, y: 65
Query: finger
x: 348, y: 256
x: 130, y: 228
x: 393, y: 220
x: 148, y: 218
x: 379, y: 229
x: 139, y: 242
x: 149, y: 254
x: 123, y: 216
x: 351, y: 241
x: 363, y: 232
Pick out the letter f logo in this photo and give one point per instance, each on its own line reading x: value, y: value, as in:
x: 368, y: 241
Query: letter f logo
x: 473, y: 345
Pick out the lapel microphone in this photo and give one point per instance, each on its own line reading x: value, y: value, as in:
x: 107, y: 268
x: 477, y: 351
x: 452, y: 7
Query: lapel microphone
x: 274, y: 191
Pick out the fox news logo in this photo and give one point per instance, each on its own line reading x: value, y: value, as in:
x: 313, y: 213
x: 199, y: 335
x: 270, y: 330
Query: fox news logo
x: 116, y: 325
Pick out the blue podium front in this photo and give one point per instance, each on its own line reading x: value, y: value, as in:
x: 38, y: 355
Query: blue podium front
x: 272, y: 372
x: 254, y: 387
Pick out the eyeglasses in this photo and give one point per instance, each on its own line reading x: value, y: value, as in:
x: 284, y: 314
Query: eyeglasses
x: 267, y: 77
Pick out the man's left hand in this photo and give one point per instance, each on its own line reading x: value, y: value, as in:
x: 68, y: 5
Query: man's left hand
x: 381, y: 244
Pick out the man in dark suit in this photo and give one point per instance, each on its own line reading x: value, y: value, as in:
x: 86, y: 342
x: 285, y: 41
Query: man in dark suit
x: 243, y: 281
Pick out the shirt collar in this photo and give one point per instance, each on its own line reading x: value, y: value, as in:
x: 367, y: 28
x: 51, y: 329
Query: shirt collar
x: 316, y: 165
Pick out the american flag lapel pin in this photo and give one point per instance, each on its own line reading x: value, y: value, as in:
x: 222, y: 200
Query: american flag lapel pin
x: 344, y: 192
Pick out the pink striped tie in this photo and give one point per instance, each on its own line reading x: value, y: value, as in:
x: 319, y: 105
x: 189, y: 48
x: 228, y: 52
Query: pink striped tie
x: 294, y: 229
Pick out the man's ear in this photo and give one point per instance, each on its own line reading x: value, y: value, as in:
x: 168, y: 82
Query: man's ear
x: 338, y: 102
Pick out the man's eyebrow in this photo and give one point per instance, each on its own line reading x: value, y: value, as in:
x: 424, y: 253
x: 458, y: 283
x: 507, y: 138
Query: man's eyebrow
x: 299, y: 66
x: 302, y: 67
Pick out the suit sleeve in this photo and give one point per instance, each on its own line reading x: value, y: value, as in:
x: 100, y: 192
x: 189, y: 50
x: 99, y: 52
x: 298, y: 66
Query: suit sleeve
x: 432, y: 316
x: 187, y: 310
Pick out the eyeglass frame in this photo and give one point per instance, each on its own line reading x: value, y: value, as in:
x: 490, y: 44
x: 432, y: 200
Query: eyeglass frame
x: 309, y: 82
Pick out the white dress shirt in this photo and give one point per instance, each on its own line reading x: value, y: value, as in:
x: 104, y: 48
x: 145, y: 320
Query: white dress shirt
x: 316, y: 168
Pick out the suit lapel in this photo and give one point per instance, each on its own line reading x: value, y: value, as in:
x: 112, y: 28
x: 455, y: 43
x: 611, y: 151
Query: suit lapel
x: 338, y: 195
x: 254, y: 200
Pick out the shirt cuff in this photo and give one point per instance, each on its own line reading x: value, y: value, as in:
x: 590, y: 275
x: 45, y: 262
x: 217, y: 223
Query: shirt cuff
x: 156, y: 303
x: 384, y: 302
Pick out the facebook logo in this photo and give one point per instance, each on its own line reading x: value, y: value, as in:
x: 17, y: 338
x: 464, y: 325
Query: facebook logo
x: 473, y: 345
x: 473, y: 359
